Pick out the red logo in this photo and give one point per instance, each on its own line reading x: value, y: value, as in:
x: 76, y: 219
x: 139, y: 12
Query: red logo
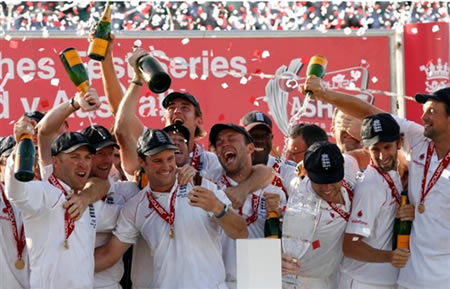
x: 316, y: 244
x: 5, y: 210
x: 422, y: 156
x: 331, y: 214
x: 360, y: 214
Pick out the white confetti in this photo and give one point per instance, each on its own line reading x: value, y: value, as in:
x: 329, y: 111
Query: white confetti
x: 8, y: 37
x: 374, y: 79
x: 265, y: 54
x: 204, y: 77
x: 435, y: 28
x: 224, y: 85
x: 185, y: 41
x: 414, y: 30
x: 137, y: 43
x: 244, y: 80
x: 54, y: 81
x: 193, y: 75
x: 41, y: 49
x: 347, y: 31
x: 256, y: 103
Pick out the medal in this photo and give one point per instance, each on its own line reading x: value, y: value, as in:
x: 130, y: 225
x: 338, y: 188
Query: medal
x: 169, y: 218
x: 20, y: 264
x: 66, y: 244
x: 421, y: 208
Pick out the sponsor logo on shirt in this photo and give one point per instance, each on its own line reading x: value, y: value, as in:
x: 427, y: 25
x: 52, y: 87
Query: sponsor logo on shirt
x: 182, y: 192
x: 92, y: 215
x: 358, y: 222
x: 110, y: 200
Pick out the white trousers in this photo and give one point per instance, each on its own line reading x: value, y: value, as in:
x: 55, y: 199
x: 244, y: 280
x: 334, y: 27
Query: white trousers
x: 347, y: 282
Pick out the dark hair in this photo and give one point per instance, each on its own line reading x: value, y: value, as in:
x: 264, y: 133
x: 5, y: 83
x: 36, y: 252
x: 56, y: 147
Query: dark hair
x: 311, y: 133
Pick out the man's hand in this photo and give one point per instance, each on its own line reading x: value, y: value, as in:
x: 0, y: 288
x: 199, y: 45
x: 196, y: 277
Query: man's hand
x: 112, y: 37
x: 203, y: 198
x: 400, y: 257
x: 89, y: 101
x: 316, y: 86
x: 132, y: 60
x: 350, y: 124
x: 76, y: 205
x: 273, y: 202
x: 23, y: 126
x: 406, y: 212
x: 236, y: 196
x: 186, y: 174
x: 289, y: 265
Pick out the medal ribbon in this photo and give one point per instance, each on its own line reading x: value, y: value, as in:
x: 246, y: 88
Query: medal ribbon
x: 338, y: 210
x: 255, y: 203
x: 69, y: 223
x: 442, y: 165
x: 20, y: 238
x: 169, y: 218
x: 277, y: 180
x: 390, y: 182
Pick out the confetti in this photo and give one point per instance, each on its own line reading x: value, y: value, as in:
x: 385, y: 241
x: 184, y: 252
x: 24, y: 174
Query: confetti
x: 374, y: 79
x: 204, y: 77
x: 27, y: 78
x: 435, y: 28
x: 243, y: 80
x: 185, y: 41
x: 224, y: 85
x: 54, y: 81
x: 414, y: 30
x: 137, y: 43
x: 265, y: 54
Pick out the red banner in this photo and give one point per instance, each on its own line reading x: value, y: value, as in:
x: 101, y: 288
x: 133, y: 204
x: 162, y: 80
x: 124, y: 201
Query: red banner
x: 227, y: 75
x: 426, y: 62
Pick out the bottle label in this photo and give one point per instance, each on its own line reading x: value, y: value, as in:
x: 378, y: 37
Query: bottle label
x: 83, y: 87
x: 403, y: 241
x: 322, y: 61
x: 98, y: 46
x: 72, y: 57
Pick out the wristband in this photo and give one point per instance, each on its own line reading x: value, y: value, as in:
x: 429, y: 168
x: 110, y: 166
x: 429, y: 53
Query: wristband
x: 137, y: 82
x: 72, y: 103
x: 225, y: 210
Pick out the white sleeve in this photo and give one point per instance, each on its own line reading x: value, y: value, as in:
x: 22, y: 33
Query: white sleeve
x: 288, y: 173
x: 29, y: 197
x: 126, y: 190
x: 126, y: 228
x: 413, y: 132
x: 351, y: 169
x: 365, y: 209
x: 106, y: 216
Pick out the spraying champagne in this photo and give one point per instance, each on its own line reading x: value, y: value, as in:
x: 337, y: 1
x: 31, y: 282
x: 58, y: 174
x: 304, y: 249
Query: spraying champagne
x: 317, y: 66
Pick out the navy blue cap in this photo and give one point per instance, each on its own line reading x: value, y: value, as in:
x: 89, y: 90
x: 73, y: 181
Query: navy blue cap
x: 154, y: 141
x: 6, y: 145
x: 69, y: 142
x: 217, y: 128
x: 442, y: 95
x: 380, y: 127
x: 99, y: 137
x: 324, y: 163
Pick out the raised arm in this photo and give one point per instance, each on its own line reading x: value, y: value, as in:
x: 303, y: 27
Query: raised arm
x: 347, y: 103
x: 128, y: 127
x: 49, y: 126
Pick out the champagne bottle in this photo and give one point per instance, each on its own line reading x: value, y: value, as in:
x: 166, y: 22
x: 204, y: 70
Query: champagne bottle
x: 25, y: 159
x: 154, y: 75
x: 402, y: 229
x: 317, y: 66
x: 99, y: 45
x: 75, y: 69
x: 272, y: 228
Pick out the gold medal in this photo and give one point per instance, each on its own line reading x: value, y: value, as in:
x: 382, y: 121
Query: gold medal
x: 421, y: 208
x: 66, y: 244
x: 20, y: 264
x: 171, y: 233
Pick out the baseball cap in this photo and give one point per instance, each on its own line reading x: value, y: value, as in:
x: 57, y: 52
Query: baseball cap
x: 69, y: 142
x: 154, y: 141
x: 380, y: 127
x: 217, y: 128
x: 175, y: 128
x: 6, y: 145
x: 34, y: 115
x: 255, y: 118
x: 185, y: 95
x: 99, y: 137
x: 324, y: 163
x: 442, y: 95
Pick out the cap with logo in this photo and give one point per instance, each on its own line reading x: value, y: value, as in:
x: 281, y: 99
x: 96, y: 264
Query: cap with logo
x: 255, y: 118
x: 154, y: 141
x: 184, y: 95
x: 34, y: 115
x: 69, y: 142
x: 178, y: 128
x: 99, y: 137
x: 324, y: 163
x: 442, y: 95
x: 217, y: 128
x: 6, y: 145
x: 380, y: 127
